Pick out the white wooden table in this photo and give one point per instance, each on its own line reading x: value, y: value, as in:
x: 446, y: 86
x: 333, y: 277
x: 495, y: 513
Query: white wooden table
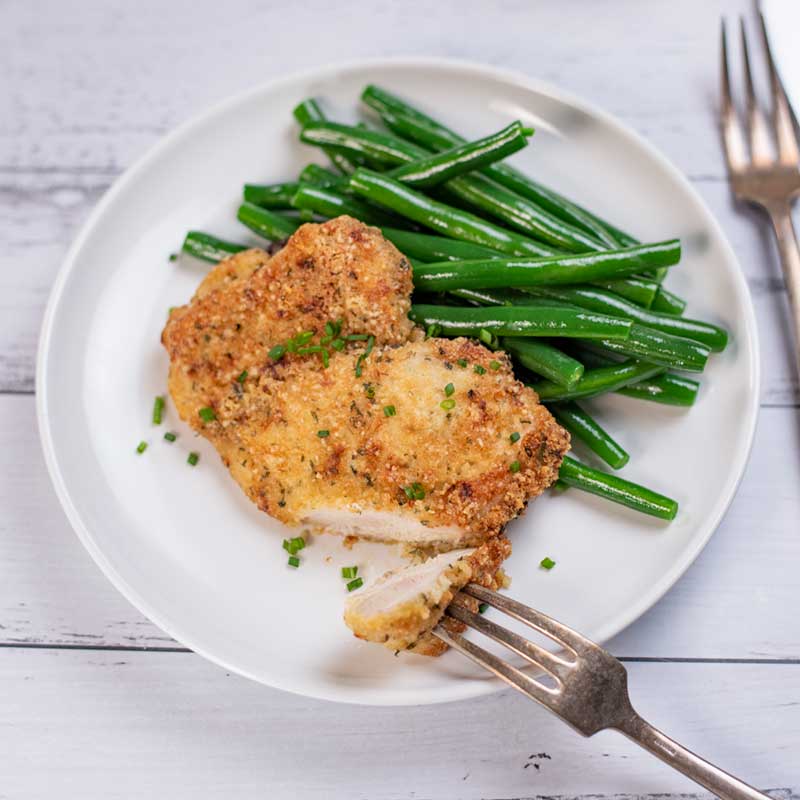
x: 95, y: 701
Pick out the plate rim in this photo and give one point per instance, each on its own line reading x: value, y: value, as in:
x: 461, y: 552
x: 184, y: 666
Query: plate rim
x: 391, y: 697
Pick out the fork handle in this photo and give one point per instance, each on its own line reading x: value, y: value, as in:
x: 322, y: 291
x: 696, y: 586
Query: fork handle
x: 781, y: 216
x: 698, y: 769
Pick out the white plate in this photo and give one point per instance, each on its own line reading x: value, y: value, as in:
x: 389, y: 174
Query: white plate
x: 186, y: 547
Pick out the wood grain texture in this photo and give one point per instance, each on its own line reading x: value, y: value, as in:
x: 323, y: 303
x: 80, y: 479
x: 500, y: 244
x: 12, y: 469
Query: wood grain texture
x: 121, y: 725
x: 743, y: 587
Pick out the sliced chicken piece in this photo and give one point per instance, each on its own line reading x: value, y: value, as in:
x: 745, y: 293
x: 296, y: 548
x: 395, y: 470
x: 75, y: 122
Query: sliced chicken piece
x: 400, y: 608
x: 417, y: 449
x: 339, y: 270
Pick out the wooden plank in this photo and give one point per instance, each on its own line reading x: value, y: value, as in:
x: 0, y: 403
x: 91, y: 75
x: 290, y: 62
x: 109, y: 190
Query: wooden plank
x: 120, y: 725
x: 737, y: 601
x: 76, y: 112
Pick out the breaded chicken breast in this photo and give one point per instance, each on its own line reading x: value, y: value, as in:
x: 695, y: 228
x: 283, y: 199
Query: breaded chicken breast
x: 431, y: 443
x: 417, y: 449
x: 400, y: 608
x: 339, y: 270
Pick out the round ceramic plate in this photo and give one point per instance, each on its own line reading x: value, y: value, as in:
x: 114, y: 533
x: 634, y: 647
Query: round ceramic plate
x: 191, y: 552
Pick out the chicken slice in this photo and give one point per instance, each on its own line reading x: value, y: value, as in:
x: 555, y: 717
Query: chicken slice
x: 418, y: 449
x: 250, y: 302
x: 400, y: 608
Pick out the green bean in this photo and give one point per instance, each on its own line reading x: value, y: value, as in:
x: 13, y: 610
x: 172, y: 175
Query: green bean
x: 657, y: 347
x: 266, y: 223
x: 520, y: 321
x: 668, y: 303
x: 572, y: 417
x: 208, y: 247
x: 553, y: 270
x: 425, y: 248
x: 607, y: 303
x: 617, y: 489
x: 309, y: 111
x: 430, y: 249
x: 441, y: 167
x: 426, y: 131
x: 274, y: 195
x: 332, y: 204
x: 319, y: 176
x: 382, y: 150
x: 598, y: 380
x: 452, y: 222
x: 378, y: 149
x: 486, y: 197
x: 638, y: 290
x: 669, y: 389
x: 545, y: 360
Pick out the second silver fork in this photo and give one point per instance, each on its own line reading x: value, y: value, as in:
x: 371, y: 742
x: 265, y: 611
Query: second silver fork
x: 766, y: 170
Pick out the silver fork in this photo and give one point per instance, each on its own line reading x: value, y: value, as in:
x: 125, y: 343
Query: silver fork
x: 587, y: 688
x: 770, y: 175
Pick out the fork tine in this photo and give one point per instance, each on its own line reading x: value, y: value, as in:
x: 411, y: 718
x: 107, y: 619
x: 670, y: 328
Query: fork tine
x: 511, y: 675
x: 760, y: 149
x: 731, y: 130
x: 537, y: 655
x: 788, y: 153
x: 558, y: 632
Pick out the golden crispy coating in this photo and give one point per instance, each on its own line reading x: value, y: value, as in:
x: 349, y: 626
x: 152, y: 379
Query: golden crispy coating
x: 340, y: 269
x: 325, y: 448
x: 416, y: 448
x: 400, y: 608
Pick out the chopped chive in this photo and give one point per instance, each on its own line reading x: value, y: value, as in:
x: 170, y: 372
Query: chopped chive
x: 303, y: 338
x: 193, y: 459
x: 433, y: 331
x: 170, y: 436
x: 360, y: 360
x: 323, y: 434
x: 291, y: 347
x: 207, y: 414
x: 312, y: 348
x: 338, y: 345
x: 449, y: 389
x: 369, y: 390
x: 415, y: 491
x: 173, y: 256
x: 141, y: 447
x: 158, y: 410
x: 479, y: 369
x: 329, y: 329
x: 389, y: 411
x: 296, y: 544
x: 514, y: 466
x: 277, y: 352
x: 495, y: 365
x: 293, y: 561
x: 326, y: 359
x: 547, y: 563
x: 448, y: 405
x: 482, y: 608
x: 462, y: 362
x: 514, y: 437
x: 485, y: 336
x: 285, y: 545
x: 357, y: 337
x: 349, y: 572
x: 356, y: 584
x: 242, y: 376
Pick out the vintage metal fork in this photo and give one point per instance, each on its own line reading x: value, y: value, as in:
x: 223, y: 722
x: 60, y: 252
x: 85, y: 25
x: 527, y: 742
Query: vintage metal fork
x: 584, y: 685
x: 770, y: 176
